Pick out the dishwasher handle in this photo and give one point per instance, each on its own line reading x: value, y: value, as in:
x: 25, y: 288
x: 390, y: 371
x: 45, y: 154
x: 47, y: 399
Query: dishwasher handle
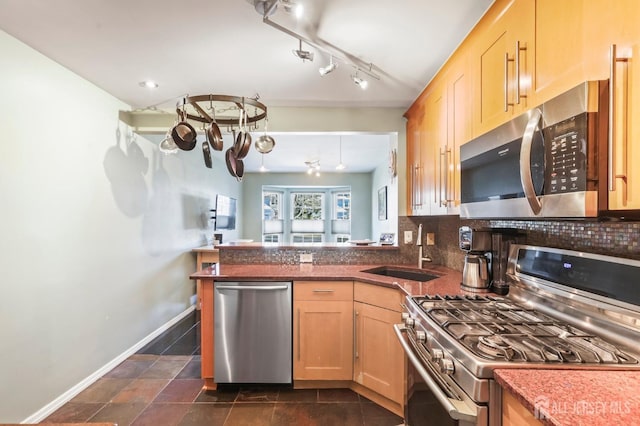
x: 252, y: 287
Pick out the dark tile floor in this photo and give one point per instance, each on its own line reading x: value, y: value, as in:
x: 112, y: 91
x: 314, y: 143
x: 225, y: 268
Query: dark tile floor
x: 161, y: 385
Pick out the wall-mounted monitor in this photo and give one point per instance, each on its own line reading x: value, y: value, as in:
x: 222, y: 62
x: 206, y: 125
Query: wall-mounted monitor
x: 225, y: 212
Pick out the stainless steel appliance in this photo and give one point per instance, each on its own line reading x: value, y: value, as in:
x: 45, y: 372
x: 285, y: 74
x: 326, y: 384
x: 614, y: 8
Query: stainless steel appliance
x: 548, y: 162
x: 565, y: 309
x: 477, y: 244
x: 253, y: 332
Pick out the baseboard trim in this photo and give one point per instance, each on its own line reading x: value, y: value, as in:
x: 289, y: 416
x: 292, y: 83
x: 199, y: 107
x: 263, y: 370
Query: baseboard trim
x: 48, y: 409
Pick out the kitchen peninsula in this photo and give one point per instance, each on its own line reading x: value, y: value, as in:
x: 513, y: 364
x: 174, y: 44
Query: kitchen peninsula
x: 377, y: 369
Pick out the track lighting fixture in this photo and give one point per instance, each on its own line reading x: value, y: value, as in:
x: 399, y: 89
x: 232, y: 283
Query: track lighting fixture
x: 329, y: 68
x: 305, y: 55
x: 313, y: 167
x: 361, y: 82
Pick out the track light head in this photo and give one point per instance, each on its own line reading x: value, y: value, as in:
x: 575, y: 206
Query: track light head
x: 361, y: 82
x: 305, y: 55
x: 329, y: 68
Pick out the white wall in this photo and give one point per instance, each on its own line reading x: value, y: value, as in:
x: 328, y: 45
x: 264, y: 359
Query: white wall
x: 381, y: 178
x: 96, y: 230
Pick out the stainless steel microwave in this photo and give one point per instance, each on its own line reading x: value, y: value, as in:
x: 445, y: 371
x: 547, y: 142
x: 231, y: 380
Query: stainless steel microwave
x: 543, y: 163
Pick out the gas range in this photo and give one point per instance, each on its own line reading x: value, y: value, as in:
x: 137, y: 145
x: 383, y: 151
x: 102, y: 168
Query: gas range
x: 564, y: 310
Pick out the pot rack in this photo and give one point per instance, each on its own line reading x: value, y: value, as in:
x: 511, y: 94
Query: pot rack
x: 224, y: 110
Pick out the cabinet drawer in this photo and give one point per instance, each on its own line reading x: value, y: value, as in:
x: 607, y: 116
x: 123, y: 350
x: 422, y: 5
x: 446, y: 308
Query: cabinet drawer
x: 384, y: 297
x: 209, y: 257
x: 323, y: 290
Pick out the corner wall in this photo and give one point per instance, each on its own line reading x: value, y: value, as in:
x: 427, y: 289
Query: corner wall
x: 97, y: 228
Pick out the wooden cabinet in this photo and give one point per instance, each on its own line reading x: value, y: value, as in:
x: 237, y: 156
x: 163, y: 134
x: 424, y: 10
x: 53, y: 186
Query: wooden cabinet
x: 323, y: 330
x: 416, y: 197
x: 617, y: 24
x: 515, y: 414
x: 380, y: 363
x: 560, y: 49
x: 503, y: 55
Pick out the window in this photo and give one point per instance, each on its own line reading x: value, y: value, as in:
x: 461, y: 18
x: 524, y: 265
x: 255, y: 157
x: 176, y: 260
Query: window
x: 342, y: 238
x: 342, y: 205
x: 271, y: 238
x: 306, y: 238
x: 307, y: 206
x: 271, y: 205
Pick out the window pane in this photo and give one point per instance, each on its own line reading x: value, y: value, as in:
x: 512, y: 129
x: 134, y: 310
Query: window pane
x: 307, y: 206
x: 342, y: 205
x: 271, y: 205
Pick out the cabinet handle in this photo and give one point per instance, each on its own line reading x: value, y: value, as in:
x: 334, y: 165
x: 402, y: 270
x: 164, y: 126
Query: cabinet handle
x: 321, y: 290
x: 517, y: 65
x: 612, y: 115
x: 355, y: 335
x: 443, y: 181
x: 298, y: 334
x: 507, y: 104
x: 449, y: 186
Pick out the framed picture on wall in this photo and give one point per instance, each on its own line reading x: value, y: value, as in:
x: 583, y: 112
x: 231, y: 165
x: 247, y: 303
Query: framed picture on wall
x: 382, y: 203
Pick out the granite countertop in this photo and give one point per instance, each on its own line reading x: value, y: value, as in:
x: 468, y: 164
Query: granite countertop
x: 448, y: 281
x: 576, y: 397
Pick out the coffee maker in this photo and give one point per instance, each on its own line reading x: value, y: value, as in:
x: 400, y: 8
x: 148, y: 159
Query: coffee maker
x: 476, y: 275
x: 501, y: 240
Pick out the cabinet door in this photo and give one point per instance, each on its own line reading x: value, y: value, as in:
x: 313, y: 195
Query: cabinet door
x: 417, y: 202
x: 459, y: 131
x: 560, y: 50
x: 379, y: 360
x: 436, y: 147
x: 624, y: 176
x: 504, y: 56
x: 323, y: 340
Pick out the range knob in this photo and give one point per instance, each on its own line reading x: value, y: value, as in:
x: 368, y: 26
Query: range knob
x: 405, y: 315
x: 446, y: 366
x: 409, y: 322
x: 437, y: 354
x: 421, y: 336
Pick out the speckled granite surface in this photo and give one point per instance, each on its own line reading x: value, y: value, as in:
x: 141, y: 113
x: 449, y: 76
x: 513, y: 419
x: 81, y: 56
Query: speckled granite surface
x: 576, y: 397
x: 448, y: 281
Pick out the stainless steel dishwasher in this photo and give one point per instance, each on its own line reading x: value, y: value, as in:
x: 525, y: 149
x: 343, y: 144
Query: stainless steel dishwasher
x: 253, y: 332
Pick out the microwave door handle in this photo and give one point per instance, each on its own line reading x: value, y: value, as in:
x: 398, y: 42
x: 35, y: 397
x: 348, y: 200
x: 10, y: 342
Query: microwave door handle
x: 525, y: 162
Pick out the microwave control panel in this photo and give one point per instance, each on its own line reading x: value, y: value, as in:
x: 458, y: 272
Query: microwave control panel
x: 566, y: 148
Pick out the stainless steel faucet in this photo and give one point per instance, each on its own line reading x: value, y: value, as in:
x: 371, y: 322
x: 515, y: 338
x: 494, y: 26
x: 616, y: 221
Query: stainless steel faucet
x: 421, y: 257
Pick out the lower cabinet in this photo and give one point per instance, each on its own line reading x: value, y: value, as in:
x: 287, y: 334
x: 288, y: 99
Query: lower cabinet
x: 323, y: 330
x: 514, y: 413
x: 380, y: 364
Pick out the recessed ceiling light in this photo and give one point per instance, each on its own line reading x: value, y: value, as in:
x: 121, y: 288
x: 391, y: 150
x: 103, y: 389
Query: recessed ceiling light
x: 149, y: 84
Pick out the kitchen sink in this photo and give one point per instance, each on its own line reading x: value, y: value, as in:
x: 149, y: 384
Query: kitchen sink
x: 408, y: 274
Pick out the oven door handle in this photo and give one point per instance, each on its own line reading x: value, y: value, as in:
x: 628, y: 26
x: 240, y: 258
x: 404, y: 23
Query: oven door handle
x: 457, y: 410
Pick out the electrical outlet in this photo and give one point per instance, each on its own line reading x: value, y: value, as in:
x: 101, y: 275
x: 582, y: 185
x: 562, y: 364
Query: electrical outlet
x: 306, y: 257
x: 431, y: 238
x: 408, y: 237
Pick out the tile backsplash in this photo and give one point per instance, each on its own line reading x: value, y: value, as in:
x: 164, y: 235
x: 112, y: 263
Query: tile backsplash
x: 614, y: 238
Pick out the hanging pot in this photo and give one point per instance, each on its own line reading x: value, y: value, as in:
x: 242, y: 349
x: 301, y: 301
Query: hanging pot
x: 183, y: 134
x: 239, y: 170
x: 206, y: 152
x: 243, y: 140
x: 214, y: 136
x: 264, y: 144
x: 231, y: 160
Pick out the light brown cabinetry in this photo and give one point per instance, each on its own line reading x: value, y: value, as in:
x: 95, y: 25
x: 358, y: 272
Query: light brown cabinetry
x: 416, y: 197
x: 617, y: 25
x: 514, y: 413
x: 380, y: 364
x: 503, y: 53
x: 323, y: 330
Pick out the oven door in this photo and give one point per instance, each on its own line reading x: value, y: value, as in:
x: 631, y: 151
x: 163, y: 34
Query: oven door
x: 439, y: 402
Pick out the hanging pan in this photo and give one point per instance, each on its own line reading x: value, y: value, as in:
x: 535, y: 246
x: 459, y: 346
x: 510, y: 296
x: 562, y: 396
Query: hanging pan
x: 243, y: 140
x: 214, y: 136
x: 183, y: 133
x: 265, y: 143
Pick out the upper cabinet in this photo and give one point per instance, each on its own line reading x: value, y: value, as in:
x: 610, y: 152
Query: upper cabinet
x: 416, y: 198
x: 521, y: 54
x: 503, y: 53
